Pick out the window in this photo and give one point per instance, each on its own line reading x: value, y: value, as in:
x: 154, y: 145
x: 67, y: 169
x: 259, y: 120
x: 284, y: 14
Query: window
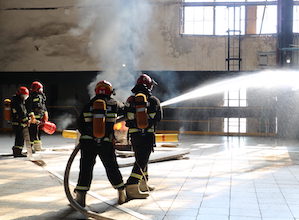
x: 266, y: 19
x: 296, y: 19
x: 216, y: 17
x: 198, y: 20
x: 234, y: 125
x: 235, y: 98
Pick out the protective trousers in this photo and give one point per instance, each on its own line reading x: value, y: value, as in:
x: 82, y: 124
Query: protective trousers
x: 19, y: 137
x: 35, y: 137
x: 143, y: 144
x: 89, y: 151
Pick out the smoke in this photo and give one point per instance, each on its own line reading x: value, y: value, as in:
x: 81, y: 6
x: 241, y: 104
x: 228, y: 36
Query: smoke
x: 168, y: 84
x: 117, y: 31
x: 63, y: 121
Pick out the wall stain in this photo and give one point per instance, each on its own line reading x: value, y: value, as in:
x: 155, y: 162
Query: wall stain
x: 178, y: 46
x: 50, y: 40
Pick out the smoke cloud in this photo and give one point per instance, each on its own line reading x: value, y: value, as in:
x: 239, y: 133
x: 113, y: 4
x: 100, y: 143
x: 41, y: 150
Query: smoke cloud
x: 118, y: 31
x: 63, y: 121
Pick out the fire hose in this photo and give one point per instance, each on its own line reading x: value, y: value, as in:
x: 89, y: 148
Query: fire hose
x: 76, y: 205
x: 68, y: 193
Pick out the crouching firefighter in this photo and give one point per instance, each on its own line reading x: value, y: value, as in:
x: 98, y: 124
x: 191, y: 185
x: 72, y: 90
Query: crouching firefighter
x: 20, y: 119
x: 143, y: 111
x: 97, y: 136
x: 36, y: 104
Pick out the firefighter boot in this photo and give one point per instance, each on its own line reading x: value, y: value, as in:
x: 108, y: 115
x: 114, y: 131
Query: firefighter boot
x: 121, y: 196
x: 133, y: 192
x: 17, y: 152
x: 37, y: 145
x: 80, y: 197
x: 144, y: 187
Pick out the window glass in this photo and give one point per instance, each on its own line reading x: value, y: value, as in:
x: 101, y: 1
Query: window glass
x: 243, y: 103
x: 235, y: 98
x: 242, y: 125
x: 235, y: 125
x: 261, y: 1
x: 199, y: 0
x: 233, y: 103
x: 266, y: 19
x: 198, y: 20
x: 221, y: 20
x: 230, y: 0
x: 296, y: 19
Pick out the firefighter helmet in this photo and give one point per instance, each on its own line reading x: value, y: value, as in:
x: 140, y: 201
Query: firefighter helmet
x: 36, y: 87
x: 104, y: 87
x: 23, y: 91
x: 145, y: 80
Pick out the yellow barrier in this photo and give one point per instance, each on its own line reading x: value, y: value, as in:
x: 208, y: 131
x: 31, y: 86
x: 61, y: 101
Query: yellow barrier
x: 167, y: 138
x: 70, y: 134
x: 159, y: 137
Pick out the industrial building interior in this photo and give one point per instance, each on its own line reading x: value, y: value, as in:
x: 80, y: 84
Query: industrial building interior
x: 227, y: 80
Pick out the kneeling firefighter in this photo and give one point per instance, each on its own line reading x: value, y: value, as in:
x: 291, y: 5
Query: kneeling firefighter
x: 143, y: 111
x: 95, y: 124
x: 20, y: 119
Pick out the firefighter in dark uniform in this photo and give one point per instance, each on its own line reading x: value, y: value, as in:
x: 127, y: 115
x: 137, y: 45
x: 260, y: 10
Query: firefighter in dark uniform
x: 19, y: 119
x: 97, y: 138
x: 142, y: 135
x: 36, y: 104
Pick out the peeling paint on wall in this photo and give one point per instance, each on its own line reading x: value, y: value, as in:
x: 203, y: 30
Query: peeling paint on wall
x: 178, y: 46
x: 41, y: 40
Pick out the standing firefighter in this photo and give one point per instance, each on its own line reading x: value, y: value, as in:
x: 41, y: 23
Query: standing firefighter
x: 36, y: 104
x: 143, y: 112
x: 19, y: 119
x: 97, y: 136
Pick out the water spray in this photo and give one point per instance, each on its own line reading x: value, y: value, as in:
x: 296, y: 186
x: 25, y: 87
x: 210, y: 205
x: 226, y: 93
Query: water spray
x: 265, y: 79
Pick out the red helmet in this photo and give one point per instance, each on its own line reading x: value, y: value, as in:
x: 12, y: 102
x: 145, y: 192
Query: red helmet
x: 146, y: 80
x: 36, y: 87
x: 23, y: 91
x: 103, y: 87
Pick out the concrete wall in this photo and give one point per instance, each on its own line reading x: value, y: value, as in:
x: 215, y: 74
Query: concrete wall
x: 35, y: 36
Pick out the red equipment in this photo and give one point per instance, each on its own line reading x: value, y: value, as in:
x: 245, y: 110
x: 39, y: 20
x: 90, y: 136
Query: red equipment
x: 36, y: 87
x: 146, y: 80
x: 22, y: 91
x: 7, y: 110
x: 104, y: 87
x: 141, y: 111
x: 48, y: 127
x: 98, y: 121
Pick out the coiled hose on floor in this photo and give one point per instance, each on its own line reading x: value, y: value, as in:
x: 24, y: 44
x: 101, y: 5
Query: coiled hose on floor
x: 68, y: 193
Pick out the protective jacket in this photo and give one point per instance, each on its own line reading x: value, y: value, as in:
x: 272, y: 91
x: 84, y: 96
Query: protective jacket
x: 18, y: 112
x: 36, y: 103
x: 154, y: 111
x: 85, y: 120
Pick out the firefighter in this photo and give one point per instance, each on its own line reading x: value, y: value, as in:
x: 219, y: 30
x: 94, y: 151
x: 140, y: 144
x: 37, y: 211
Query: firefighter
x: 19, y: 119
x: 36, y: 104
x: 143, y: 111
x: 95, y: 124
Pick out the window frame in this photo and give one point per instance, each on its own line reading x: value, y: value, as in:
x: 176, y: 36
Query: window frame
x: 230, y: 123
x: 228, y: 4
x: 241, y: 97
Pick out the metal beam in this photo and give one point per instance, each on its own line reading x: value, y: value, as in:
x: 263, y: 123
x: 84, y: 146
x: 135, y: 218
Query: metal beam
x: 284, y: 31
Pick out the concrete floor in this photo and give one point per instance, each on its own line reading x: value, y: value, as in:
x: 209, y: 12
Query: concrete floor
x: 223, y: 178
